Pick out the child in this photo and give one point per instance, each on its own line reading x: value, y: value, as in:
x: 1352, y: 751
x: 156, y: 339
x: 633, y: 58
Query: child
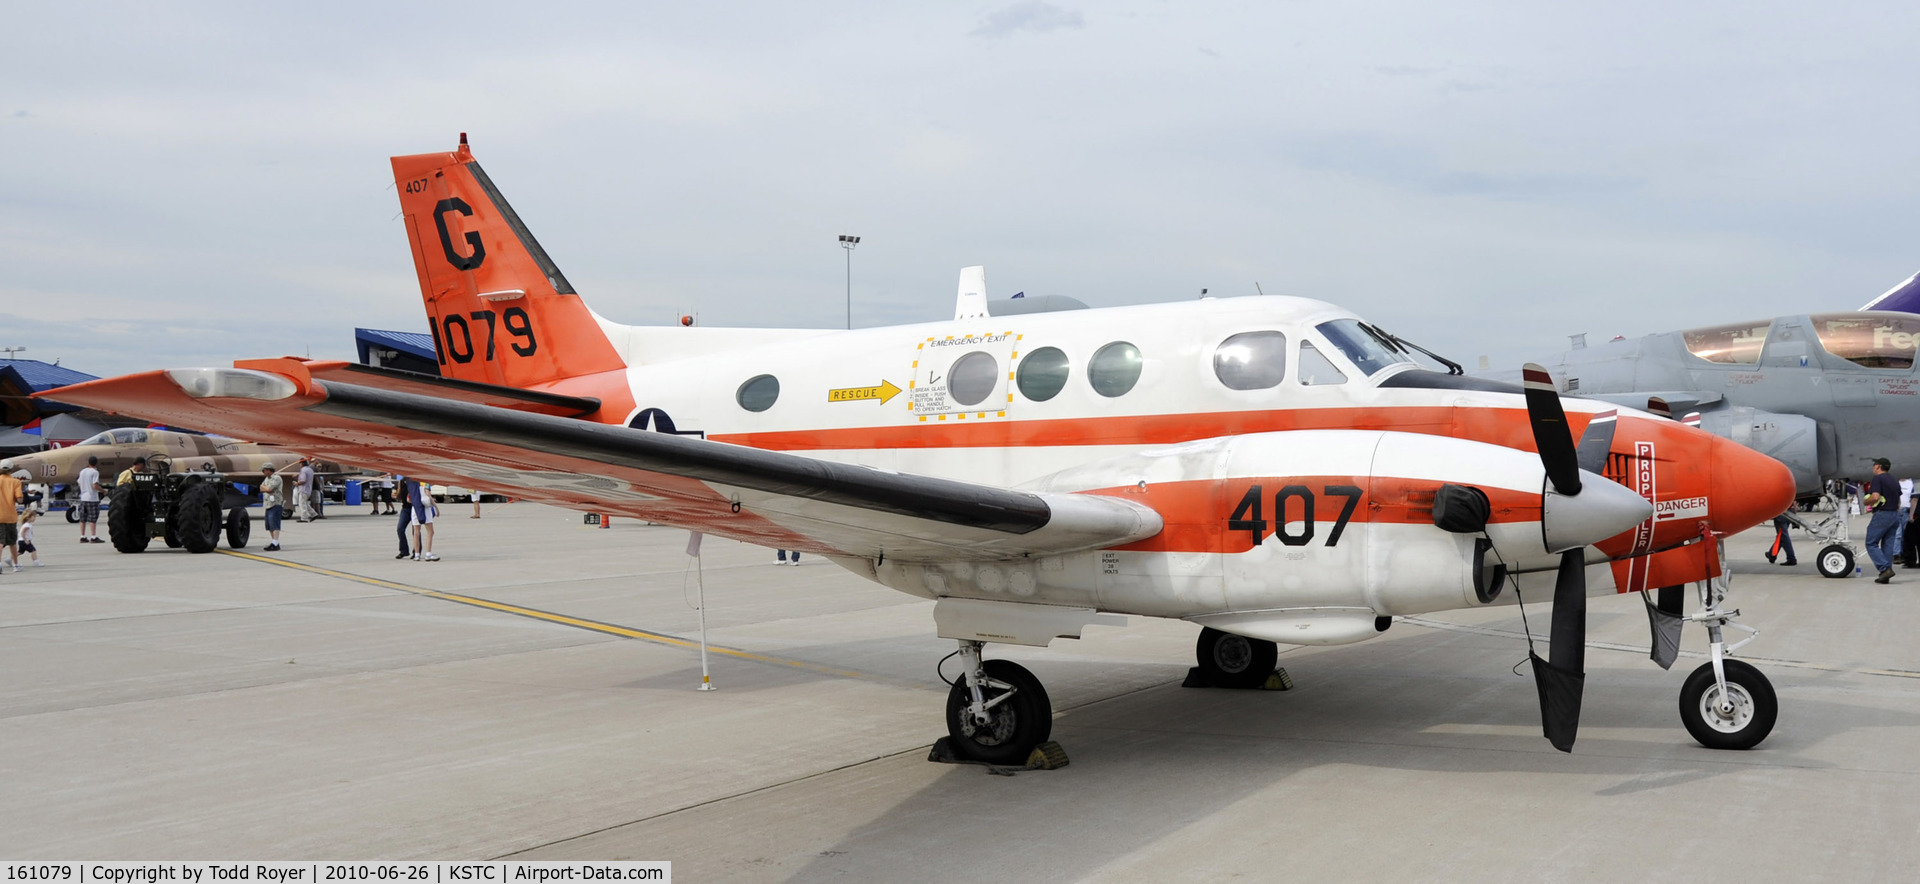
x: 26, y: 546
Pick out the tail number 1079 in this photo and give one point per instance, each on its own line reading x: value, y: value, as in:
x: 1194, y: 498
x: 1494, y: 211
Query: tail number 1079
x: 1248, y: 514
x: 453, y: 337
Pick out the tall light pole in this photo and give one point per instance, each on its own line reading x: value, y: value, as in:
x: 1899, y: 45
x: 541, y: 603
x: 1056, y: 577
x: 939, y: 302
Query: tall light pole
x: 848, y: 242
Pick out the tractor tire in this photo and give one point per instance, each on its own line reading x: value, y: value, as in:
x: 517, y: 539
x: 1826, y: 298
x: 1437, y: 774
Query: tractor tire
x: 127, y: 520
x: 199, y: 524
x: 172, y: 535
x: 239, y: 527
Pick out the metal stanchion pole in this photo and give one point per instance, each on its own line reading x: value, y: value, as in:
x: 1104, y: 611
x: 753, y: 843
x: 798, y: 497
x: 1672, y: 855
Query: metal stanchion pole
x: 700, y: 582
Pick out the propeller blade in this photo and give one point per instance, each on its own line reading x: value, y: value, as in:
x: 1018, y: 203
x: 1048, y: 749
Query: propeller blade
x: 1597, y: 441
x: 1561, y: 678
x: 1550, y: 433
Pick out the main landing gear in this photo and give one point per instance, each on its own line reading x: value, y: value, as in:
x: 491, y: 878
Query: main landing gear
x: 1726, y: 703
x: 997, y: 712
x: 1234, y: 661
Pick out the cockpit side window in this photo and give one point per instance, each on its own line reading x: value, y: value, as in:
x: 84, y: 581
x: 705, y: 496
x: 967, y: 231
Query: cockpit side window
x: 1369, y: 351
x: 129, y: 437
x: 1316, y: 369
x: 1251, y: 360
x: 98, y: 439
x: 1872, y: 340
x: 1737, y: 344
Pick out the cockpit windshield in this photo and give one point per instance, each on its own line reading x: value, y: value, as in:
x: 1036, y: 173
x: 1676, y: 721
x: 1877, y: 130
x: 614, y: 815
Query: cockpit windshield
x: 1737, y: 344
x: 1369, y: 350
x: 98, y: 439
x: 1872, y: 340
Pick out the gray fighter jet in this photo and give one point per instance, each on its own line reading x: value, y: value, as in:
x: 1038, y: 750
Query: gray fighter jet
x: 1822, y: 393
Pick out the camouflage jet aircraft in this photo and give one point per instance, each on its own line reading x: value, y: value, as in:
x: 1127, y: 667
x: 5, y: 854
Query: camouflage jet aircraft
x: 116, y: 450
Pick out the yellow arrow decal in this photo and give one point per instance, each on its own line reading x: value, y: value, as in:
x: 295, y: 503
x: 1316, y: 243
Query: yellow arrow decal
x: 884, y: 392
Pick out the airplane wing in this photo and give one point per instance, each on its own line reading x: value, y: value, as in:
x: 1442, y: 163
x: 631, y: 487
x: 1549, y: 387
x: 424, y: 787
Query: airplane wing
x: 769, y: 498
x: 1676, y: 401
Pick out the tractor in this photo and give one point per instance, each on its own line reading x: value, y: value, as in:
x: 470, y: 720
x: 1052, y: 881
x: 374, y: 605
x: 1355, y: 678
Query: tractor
x: 181, y: 508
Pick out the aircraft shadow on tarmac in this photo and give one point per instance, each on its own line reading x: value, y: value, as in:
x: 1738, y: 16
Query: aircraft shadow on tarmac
x: 1434, y: 702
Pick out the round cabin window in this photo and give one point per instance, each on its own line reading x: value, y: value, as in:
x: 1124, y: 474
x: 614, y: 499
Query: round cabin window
x: 1043, y: 374
x: 972, y: 377
x: 758, y: 393
x: 1114, y: 369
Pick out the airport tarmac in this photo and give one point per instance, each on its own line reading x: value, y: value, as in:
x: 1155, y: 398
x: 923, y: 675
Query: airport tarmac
x: 533, y: 696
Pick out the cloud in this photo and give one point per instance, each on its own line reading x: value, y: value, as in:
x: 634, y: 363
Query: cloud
x: 1032, y: 15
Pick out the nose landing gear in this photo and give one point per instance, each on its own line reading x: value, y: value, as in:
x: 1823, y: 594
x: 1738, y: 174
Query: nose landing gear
x: 1726, y: 703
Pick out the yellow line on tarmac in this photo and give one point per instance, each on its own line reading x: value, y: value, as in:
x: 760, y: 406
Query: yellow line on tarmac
x: 548, y: 616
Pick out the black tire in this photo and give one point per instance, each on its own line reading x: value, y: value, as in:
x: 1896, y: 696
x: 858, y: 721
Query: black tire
x: 1021, y: 722
x: 1835, y: 560
x: 1755, y: 707
x: 172, y: 533
x: 1233, y: 661
x: 73, y: 515
x: 199, y: 523
x: 239, y: 527
x: 127, y: 520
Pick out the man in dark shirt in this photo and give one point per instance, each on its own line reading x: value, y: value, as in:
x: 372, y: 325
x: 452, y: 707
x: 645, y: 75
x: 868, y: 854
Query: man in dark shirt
x: 1883, y: 497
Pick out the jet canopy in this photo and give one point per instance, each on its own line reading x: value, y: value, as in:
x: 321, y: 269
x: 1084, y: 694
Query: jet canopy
x: 1875, y: 339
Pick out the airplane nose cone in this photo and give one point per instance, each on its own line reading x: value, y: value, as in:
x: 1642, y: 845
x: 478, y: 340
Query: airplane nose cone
x: 1747, y: 487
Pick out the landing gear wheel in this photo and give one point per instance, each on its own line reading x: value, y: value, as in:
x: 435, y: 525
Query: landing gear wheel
x: 239, y: 528
x: 1018, y: 723
x: 73, y: 516
x: 127, y: 520
x: 1234, y: 661
x: 1835, y: 561
x: 1745, y: 720
x: 199, y: 525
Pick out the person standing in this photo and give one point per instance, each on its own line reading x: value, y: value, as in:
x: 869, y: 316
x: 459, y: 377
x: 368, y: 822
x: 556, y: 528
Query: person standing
x: 1883, y: 499
x: 423, y: 512
x: 1906, y: 512
x: 273, y: 498
x: 10, y: 497
x: 1782, y: 544
x: 90, y: 488
x: 408, y: 490
x: 303, y: 492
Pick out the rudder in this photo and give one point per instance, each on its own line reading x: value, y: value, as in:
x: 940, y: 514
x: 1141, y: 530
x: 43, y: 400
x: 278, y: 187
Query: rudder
x: 501, y: 312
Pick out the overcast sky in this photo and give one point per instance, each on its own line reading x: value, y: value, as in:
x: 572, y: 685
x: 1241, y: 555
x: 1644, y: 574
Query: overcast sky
x: 189, y: 184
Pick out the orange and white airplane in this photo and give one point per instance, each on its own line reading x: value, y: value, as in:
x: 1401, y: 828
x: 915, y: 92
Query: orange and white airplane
x: 1273, y: 469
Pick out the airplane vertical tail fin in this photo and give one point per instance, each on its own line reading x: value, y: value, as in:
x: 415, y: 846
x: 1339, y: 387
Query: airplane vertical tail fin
x: 1904, y: 297
x: 500, y: 311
